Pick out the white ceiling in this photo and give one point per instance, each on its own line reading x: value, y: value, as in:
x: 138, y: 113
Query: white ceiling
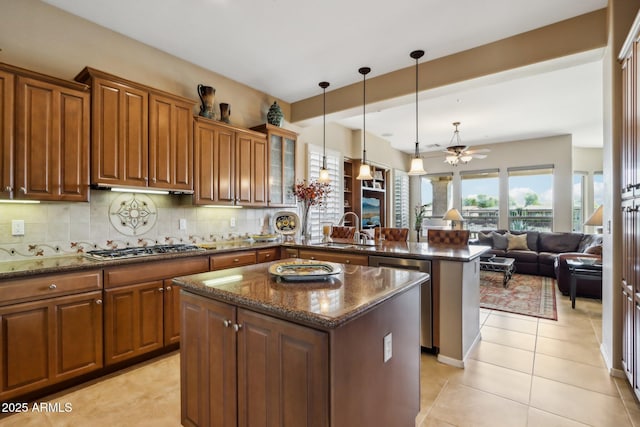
x: 284, y: 47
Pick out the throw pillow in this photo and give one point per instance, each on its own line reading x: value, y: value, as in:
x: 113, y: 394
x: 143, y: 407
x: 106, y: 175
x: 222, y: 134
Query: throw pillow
x: 499, y: 241
x: 485, y: 238
x: 594, y: 250
x: 517, y: 241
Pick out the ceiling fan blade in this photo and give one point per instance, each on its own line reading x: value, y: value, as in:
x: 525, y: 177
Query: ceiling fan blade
x: 481, y: 150
x: 478, y: 156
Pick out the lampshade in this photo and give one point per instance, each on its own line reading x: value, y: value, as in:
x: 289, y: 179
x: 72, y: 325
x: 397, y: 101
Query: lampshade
x: 324, y: 172
x: 417, y: 165
x: 365, y: 169
x: 452, y: 215
x: 596, y: 218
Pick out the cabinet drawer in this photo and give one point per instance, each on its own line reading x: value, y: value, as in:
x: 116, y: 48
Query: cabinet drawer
x: 35, y: 288
x: 335, y: 257
x: 154, y: 270
x: 235, y: 259
x: 267, y: 255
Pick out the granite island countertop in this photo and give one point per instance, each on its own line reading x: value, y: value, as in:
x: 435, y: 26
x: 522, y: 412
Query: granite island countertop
x: 322, y: 304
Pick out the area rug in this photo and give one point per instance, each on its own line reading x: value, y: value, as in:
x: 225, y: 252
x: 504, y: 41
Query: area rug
x: 525, y: 294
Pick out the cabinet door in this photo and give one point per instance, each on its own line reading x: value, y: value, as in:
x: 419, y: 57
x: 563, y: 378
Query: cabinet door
x: 627, y: 332
x: 52, y: 148
x: 119, y: 139
x: 251, y: 170
x: 207, y: 362
x: 132, y: 321
x: 78, y: 334
x: 7, y: 146
x: 214, y: 171
x: 282, y: 170
x: 269, y: 395
x: 289, y: 171
x: 330, y: 256
x: 171, y: 313
x: 170, y: 143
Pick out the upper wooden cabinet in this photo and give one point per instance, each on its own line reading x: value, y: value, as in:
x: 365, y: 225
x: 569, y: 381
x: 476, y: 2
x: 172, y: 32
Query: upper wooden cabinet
x: 230, y: 165
x: 282, y: 165
x: 46, y: 155
x: 141, y: 136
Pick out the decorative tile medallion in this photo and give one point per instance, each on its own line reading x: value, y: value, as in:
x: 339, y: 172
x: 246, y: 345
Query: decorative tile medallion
x: 133, y: 214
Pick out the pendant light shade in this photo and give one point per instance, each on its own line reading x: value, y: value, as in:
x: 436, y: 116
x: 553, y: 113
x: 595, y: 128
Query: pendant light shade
x: 365, y: 169
x: 324, y: 172
x: 417, y: 166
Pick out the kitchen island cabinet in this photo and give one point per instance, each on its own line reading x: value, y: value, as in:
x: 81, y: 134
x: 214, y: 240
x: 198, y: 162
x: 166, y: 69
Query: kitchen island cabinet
x: 257, y: 351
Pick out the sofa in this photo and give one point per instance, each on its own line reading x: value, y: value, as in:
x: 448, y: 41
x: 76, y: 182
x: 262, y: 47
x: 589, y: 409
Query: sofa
x: 546, y: 253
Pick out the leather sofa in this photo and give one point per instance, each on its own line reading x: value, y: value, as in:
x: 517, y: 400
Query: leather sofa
x: 545, y: 254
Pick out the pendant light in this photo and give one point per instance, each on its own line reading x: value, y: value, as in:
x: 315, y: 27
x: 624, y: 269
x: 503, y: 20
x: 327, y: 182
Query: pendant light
x: 324, y: 172
x: 417, y: 166
x: 365, y: 169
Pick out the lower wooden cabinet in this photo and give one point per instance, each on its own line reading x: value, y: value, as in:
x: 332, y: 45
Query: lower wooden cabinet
x: 49, y: 341
x: 330, y: 256
x: 241, y: 368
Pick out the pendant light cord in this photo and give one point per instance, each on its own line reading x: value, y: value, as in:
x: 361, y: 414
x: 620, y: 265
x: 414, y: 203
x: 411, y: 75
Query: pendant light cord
x: 364, y: 71
x: 324, y: 86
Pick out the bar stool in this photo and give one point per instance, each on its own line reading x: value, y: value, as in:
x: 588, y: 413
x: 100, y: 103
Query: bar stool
x: 391, y: 234
x: 338, y: 232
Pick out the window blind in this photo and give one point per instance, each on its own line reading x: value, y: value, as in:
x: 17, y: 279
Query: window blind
x: 331, y: 211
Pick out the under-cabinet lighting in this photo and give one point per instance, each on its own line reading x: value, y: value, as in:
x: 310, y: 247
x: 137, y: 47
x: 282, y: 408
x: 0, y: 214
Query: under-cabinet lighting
x: 138, y: 190
x: 222, y: 206
x: 24, y: 202
x: 223, y: 280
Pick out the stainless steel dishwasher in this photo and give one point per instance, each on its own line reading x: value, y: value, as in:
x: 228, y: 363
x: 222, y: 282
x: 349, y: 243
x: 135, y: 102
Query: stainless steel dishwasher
x: 426, y: 320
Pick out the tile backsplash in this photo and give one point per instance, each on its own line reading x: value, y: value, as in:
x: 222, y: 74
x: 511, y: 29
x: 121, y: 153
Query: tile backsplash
x: 65, y: 228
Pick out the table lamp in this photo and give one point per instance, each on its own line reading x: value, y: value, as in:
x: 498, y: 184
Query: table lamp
x: 454, y: 216
x: 595, y: 219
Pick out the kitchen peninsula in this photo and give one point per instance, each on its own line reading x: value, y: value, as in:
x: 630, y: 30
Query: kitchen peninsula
x: 339, y: 352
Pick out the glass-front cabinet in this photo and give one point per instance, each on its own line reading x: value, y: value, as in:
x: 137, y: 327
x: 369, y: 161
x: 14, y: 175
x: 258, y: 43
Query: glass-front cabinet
x: 282, y: 164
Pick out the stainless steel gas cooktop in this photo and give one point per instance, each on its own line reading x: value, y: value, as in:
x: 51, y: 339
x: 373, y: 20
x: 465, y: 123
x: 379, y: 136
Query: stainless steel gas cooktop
x: 104, y: 254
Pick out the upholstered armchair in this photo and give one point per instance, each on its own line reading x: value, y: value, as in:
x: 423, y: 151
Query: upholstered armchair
x: 339, y: 232
x: 453, y: 238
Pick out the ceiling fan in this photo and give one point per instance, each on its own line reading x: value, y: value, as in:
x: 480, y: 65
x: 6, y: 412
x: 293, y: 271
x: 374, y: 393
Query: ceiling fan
x: 458, y: 152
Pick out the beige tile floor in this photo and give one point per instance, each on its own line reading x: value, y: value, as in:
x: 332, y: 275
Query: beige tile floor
x: 524, y: 372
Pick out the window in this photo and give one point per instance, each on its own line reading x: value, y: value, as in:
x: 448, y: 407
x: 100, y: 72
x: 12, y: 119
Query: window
x: 480, y: 199
x: 578, y: 201
x: 400, y: 199
x: 531, y: 198
x: 332, y: 209
x: 436, y: 196
x: 598, y: 189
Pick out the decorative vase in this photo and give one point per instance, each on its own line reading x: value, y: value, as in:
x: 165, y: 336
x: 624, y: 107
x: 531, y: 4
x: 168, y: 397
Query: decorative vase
x: 274, y: 116
x: 207, y: 97
x: 225, y: 112
x: 305, y: 234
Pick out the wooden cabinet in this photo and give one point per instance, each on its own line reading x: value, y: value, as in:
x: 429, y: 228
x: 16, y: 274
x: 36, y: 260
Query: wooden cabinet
x: 267, y: 255
x: 342, y: 258
x: 141, y: 136
x: 232, y: 259
x: 51, y: 339
x: 230, y: 165
x: 368, y: 199
x: 232, y: 374
x: 282, y: 165
x: 350, y: 199
x: 46, y: 155
x: 140, y: 306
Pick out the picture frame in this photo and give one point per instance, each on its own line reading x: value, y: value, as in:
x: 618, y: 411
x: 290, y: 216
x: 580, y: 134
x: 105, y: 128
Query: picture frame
x: 378, y: 175
x: 377, y: 185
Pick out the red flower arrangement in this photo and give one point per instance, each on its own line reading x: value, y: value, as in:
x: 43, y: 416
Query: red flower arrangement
x: 312, y: 194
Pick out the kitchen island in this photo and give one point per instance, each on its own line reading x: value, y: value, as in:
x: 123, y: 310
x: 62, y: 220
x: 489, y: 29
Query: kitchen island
x: 340, y: 352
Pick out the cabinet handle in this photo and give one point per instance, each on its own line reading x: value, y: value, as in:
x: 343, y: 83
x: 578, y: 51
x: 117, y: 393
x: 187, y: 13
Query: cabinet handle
x: 236, y: 260
x: 348, y: 261
x: 168, y: 288
x: 53, y: 286
x: 154, y: 180
x: 267, y: 256
x: 98, y: 301
x: 160, y: 289
x: 313, y: 258
x: 226, y: 323
x: 8, y: 189
x: 237, y: 327
x: 23, y: 190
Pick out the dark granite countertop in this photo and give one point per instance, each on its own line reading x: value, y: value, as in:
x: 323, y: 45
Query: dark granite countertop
x: 322, y: 304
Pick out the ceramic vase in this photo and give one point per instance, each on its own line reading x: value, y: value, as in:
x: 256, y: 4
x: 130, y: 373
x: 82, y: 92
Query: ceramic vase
x: 207, y: 97
x: 305, y: 234
x: 274, y: 116
x: 225, y: 112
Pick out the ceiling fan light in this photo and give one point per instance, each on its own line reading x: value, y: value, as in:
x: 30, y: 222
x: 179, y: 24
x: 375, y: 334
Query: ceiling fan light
x: 417, y: 167
x: 365, y: 172
x: 466, y: 159
x: 452, y: 160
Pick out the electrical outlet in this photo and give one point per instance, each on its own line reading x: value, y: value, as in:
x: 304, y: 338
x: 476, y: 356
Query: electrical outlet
x: 17, y: 227
x: 387, y: 347
x: 232, y: 222
x: 182, y: 224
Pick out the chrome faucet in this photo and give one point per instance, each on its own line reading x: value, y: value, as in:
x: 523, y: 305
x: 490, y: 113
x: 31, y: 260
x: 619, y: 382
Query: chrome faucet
x: 356, y: 236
